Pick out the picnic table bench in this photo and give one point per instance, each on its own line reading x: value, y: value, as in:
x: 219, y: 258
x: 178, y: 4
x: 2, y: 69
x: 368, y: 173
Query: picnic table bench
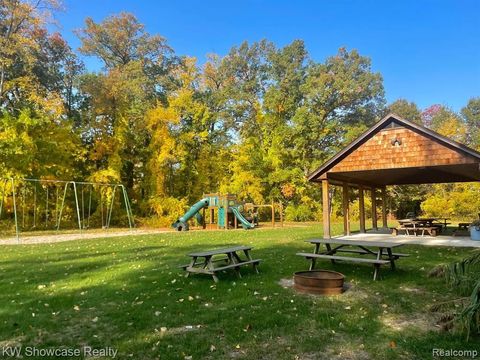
x: 463, y: 226
x: 359, y: 247
x: 203, y: 262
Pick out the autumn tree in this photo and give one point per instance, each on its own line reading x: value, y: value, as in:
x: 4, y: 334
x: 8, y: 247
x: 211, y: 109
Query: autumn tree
x: 37, y: 101
x: 22, y: 62
x: 253, y: 122
x: 32, y: 145
x: 445, y: 121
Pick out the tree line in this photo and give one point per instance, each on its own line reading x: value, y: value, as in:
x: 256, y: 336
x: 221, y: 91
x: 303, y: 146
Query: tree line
x: 253, y: 122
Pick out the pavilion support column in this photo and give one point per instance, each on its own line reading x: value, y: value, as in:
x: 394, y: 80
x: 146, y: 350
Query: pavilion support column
x: 361, y: 205
x: 326, y: 210
x: 374, y: 208
x: 384, y: 208
x: 346, y: 209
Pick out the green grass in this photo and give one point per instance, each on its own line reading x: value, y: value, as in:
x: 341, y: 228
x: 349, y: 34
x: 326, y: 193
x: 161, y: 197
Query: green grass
x: 124, y: 292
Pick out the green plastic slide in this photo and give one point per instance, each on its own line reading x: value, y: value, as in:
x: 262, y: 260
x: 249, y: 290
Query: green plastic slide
x: 245, y: 223
x: 182, y: 223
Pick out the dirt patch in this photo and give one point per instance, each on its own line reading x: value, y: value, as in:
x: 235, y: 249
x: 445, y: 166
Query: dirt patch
x: 412, y: 290
x: 54, y: 238
x: 238, y: 354
x: 286, y: 283
x: 177, y: 330
x: 12, y: 342
x: 346, y: 354
x: 420, y: 322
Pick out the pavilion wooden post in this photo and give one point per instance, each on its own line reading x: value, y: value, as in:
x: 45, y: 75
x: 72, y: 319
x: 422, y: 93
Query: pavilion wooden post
x: 384, y: 207
x: 361, y: 205
x: 326, y: 210
x: 346, y: 210
x: 374, y: 208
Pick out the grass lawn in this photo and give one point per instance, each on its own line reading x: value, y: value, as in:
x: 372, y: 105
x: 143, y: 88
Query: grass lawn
x: 127, y: 293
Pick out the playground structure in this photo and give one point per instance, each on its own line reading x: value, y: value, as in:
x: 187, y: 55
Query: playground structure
x: 224, y: 212
x: 41, y: 204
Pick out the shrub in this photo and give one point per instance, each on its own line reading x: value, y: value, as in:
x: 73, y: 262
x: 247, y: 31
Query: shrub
x: 167, y: 209
x: 301, y: 212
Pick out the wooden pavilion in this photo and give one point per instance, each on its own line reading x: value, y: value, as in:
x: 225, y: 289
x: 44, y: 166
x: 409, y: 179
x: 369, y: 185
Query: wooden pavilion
x: 394, y: 151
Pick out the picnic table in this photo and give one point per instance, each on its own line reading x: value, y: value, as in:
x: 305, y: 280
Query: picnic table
x: 445, y: 221
x: 203, y: 262
x: 418, y: 224
x: 380, y: 250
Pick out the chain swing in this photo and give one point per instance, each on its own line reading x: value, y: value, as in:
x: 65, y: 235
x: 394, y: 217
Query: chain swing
x: 34, y: 205
x: 101, y: 207
x: 89, y: 206
x: 46, y: 206
x: 4, y: 190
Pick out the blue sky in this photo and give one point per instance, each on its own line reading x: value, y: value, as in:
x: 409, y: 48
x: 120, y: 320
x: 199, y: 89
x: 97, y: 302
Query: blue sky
x: 428, y: 51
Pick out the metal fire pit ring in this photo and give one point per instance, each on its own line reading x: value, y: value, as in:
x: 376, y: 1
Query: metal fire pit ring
x: 322, y: 282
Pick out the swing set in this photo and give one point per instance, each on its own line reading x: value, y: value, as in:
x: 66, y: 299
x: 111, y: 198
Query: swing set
x: 38, y: 204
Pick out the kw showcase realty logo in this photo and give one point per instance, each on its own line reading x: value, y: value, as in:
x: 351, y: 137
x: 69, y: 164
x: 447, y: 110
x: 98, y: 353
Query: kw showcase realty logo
x: 32, y: 351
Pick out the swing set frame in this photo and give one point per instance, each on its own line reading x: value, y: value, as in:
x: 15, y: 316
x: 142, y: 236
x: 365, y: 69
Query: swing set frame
x: 59, y: 206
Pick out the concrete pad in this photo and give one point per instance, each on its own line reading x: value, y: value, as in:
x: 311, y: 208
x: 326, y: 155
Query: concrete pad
x: 440, y: 240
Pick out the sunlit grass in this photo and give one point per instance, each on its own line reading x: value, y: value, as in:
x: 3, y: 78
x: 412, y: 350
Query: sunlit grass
x: 128, y: 293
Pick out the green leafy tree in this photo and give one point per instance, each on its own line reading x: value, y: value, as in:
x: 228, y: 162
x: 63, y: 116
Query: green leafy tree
x: 405, y: 109
x: 339, y: 94
x: 471, y: 115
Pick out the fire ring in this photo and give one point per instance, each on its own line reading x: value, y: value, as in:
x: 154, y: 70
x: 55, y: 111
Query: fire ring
x: 322, y: 282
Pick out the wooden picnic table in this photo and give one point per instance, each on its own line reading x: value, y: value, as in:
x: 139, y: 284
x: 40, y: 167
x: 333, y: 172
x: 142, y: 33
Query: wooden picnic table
x: 380, y: 250
x: 203, y: 262
x: 445, y: 219
x: 418, y: 224
x: 439, y: 221
x: 425, y: 221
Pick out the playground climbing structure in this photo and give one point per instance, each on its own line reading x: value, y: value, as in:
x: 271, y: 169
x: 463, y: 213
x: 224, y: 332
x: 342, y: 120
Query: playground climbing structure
x: 222, y: 211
